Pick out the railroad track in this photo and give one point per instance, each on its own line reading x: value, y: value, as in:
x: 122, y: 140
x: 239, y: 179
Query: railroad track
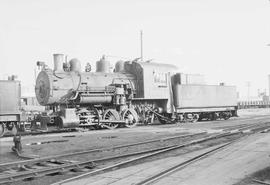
x: 135, y: 160
x: 42, y: 159
x: 152, y: 179
x: 56, y: 131
x: 180, y: 166
x: 33, y: 168
x: 41, y: 132
x: 18, y: 170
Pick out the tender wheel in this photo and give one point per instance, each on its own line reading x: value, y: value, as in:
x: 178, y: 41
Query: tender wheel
x: 226, y: 115
x: 130, y: 116
x: 213, y: 116
x: 110, y: 115
x: 2, y: 129
x: 195, y: 118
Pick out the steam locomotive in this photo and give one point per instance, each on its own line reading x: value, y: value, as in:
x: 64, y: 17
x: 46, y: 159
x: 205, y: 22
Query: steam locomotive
x: 135, y: 92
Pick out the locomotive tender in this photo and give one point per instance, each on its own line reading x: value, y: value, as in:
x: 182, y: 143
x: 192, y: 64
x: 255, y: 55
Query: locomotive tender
x: 134, y: 92
x: 10, y: 102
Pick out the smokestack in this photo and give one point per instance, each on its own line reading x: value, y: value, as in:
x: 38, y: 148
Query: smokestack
x: 12, y: 77
x: 58, y: 60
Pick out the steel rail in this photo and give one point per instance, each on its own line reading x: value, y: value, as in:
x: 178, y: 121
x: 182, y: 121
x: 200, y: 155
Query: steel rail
x: 31, y: 173
x: 153, y: 152
x: 41, y: 132
x: 249, y: 126
x: 36, y: 160
x: 6, y: 178
x: 259, y: 118
x: 181, y: 165
x: 31, y: 161
x: 136, y: 159
x: 261, y: 182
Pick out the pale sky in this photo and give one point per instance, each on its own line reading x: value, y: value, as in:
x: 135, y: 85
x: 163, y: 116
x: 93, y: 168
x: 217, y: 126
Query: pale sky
x: 226, y: 40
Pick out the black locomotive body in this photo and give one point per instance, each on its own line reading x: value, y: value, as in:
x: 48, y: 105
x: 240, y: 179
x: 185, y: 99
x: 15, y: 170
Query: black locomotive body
x: 134, y: 92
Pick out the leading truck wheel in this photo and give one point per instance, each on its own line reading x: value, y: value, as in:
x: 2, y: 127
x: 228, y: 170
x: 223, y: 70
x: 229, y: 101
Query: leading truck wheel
x: 2, y: 129
x: 130, y: 116
x: 110, y: 115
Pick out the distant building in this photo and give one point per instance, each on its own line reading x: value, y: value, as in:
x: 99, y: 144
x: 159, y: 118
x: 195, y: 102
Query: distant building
x: 31, y: 104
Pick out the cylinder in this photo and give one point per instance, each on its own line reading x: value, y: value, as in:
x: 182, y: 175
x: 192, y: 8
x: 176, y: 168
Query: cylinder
x: 75, y: 65
x: 58, y: 60
x: 120, y: 67
x: 68, y: 119
x: 103, y: 65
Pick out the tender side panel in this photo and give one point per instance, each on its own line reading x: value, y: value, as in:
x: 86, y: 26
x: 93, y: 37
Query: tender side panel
x: 204, y: 96
x: 11, y: 117
x: 10, y: 93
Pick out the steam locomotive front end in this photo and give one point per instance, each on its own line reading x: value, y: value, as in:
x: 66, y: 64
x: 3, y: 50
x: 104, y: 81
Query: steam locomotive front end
x: 55, y: 86
x: 71, y: 93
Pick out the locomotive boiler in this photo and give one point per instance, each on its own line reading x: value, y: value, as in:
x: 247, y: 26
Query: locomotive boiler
x: 133, y: 92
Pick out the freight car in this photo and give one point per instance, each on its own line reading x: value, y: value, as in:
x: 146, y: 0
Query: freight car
x: 134, y: 92
x: 253, y: 104
x: 10, y: 114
